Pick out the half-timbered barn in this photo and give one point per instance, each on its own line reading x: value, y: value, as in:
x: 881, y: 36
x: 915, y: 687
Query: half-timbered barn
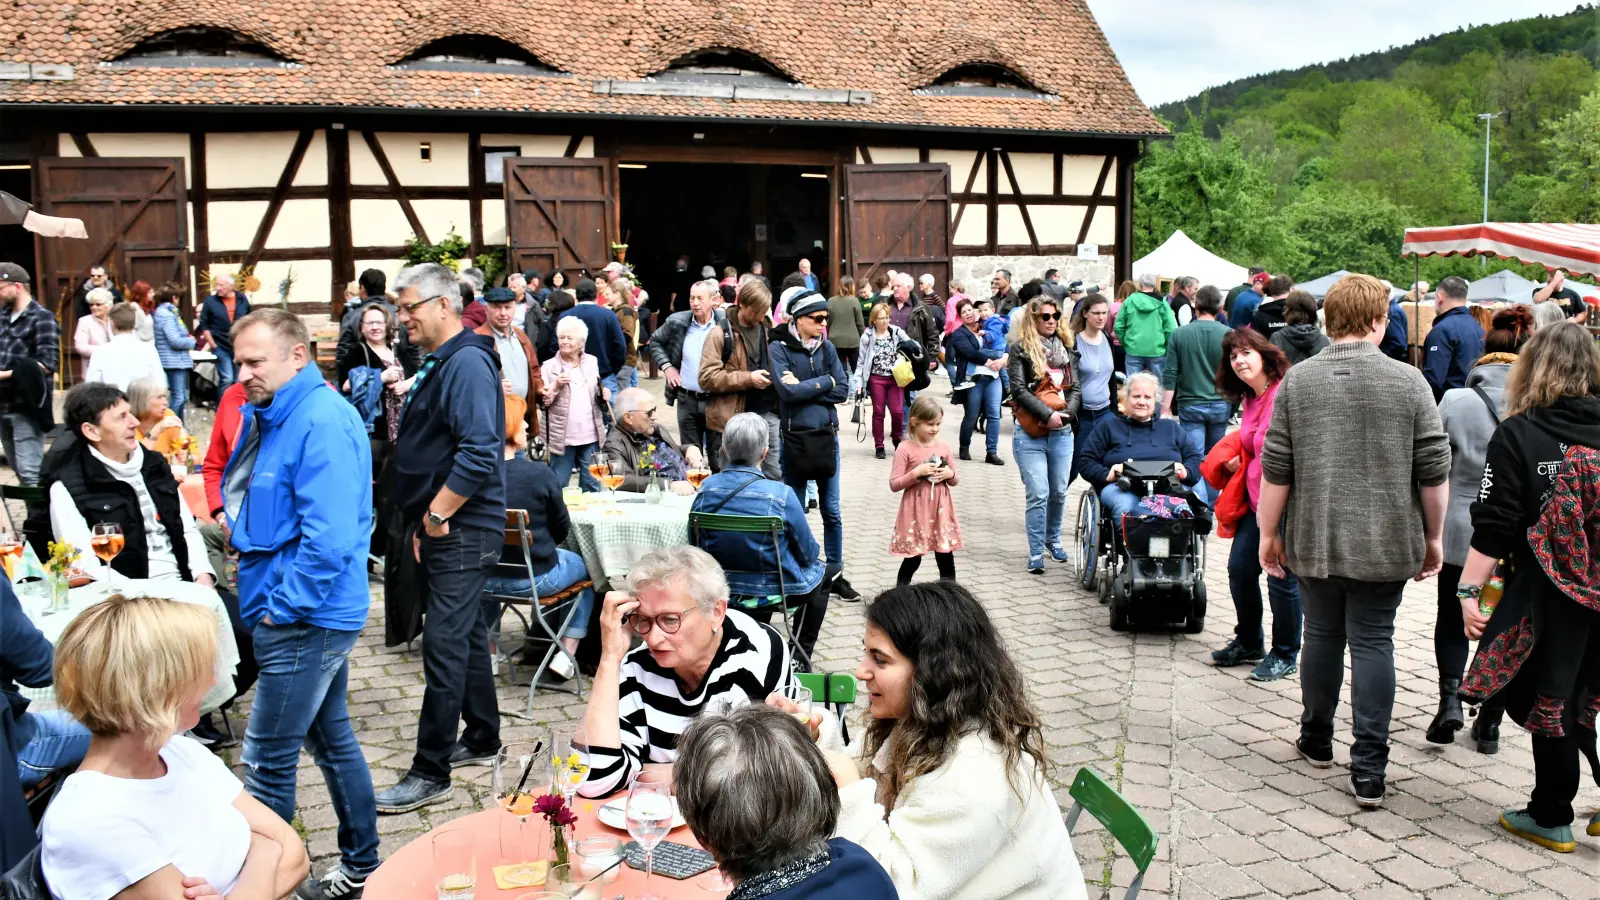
x: 315, y: 137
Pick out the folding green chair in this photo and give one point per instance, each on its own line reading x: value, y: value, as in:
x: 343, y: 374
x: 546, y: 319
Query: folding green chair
x: 837, y: 691
x: 732, y: 523
x: 1119, y: 817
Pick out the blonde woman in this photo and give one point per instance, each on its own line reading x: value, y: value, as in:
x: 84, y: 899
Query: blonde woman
x: 160, y: 430
x: 874, y: 375
x: 151, y: 813
x: 1043, y: 366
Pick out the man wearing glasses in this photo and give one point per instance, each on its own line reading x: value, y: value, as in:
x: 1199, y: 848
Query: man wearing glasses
x: 637, y: 432
x: 450, y: 482
x: 97, y: 279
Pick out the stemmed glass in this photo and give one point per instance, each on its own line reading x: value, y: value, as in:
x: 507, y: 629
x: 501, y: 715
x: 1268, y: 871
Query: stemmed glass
x: 612, y: 479
x: 10, y: 550
x: 106, y: 542
x: 512, y: 767
x: 569, y: 758
x: 649, y: 818
x: 800, y: 695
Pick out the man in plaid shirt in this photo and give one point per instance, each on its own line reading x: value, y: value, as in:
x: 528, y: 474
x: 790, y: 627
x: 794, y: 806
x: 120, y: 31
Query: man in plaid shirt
x: 29, y: 336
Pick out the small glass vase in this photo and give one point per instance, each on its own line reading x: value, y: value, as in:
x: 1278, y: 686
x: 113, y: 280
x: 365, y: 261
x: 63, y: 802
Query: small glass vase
x: 560, y: 844
x: 654, y: 490
x: 58, y: 594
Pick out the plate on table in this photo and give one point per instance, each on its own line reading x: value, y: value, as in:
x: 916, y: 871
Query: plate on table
x: 615, y: 814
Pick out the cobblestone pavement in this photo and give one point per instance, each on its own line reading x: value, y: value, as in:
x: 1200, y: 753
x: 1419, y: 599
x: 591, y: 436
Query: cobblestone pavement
x: 1205, y: 754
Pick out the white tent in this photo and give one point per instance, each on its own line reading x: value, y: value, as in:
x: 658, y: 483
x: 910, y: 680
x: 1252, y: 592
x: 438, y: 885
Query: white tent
x: 1504, y: 286
x: 1180, y: 255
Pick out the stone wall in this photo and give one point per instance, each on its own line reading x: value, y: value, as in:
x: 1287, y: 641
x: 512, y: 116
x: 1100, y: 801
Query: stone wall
x: 975, y: 271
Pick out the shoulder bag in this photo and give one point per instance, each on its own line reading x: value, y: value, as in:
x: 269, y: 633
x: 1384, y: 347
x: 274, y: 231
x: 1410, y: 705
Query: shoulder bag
x: 1051, y: 395
x: 809, y: 453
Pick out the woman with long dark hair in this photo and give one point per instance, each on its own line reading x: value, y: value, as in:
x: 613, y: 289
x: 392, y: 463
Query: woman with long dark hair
x: 952, y: 797
x: 979, y: 369
x: 1090, y: 341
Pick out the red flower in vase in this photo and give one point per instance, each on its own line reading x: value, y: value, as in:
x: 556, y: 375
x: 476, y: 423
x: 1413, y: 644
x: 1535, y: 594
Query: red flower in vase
x: 554, y: 808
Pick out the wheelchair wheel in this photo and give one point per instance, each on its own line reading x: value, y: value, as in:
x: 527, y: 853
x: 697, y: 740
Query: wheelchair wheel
x: 1196, y: 622
x: 1086, y: 536
x: 1119, y: 605
x: 1106, y: 575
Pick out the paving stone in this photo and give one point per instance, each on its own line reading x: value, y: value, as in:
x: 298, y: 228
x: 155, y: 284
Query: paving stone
x: 1414, y: 873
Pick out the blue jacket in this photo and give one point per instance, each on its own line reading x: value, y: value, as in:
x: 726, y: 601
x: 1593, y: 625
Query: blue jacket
x: 1453, y: 347
x: 823, y: 380
x: 1396, y: 337
x: 1244, y: 308
x: 173, y: 343
x: 851, y: 874
x: 749, y: 559
x: 214, y: 318
x: 966, y: 351
x: 366, y: 394
x: 605, y: 342
x: 298, y: 493
x: 1118, y: 439
x: 452, y: 434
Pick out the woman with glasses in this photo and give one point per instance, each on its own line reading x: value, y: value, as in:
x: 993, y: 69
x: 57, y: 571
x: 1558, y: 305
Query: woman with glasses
x: 694, y: 651
x: 1044, y: 389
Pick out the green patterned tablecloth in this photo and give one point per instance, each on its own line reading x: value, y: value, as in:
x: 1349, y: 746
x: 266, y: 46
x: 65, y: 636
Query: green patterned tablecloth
x: 611, y: 542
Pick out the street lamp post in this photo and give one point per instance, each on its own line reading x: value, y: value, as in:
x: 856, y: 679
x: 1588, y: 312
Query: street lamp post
x: 1488, y: 124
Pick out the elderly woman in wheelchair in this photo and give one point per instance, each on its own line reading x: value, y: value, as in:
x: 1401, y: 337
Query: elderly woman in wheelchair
x: 1136, y: 434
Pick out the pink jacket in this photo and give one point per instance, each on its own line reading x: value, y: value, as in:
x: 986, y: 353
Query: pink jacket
x: 951, y: 320
x: 1254, y: 417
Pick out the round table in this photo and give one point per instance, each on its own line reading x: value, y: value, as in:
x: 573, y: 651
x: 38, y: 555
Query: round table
x: 408, y: 874
x: 612, y: 537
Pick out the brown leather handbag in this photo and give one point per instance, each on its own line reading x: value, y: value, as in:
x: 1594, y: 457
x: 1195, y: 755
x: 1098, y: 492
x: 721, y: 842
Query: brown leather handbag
x: 1051, y: 395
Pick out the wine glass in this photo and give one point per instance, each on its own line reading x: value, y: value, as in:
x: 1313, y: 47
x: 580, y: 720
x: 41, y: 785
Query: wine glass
x: 800, y: 695
x: 599, y: 466
x: 106, y: 542
x: 10, y: 550
x: 696, y: 476
x: 513, y: 765
x: 650, y: 814
x: 569, y: 758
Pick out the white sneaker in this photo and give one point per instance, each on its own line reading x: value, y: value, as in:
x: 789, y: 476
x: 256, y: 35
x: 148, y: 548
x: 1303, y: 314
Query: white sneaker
x: 562, y: 666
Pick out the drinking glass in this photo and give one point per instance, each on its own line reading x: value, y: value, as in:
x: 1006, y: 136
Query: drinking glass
x: 800, y: 696
x: 596, y: 858
x: 455, y: 864
x: 106, y: 542
x: 10, y: 550
x: 513, y: 766
x: 569, y: 758
x: 697, y: 476
x: 649, y: 818
x: 599, y: 466
x: 569, y: 881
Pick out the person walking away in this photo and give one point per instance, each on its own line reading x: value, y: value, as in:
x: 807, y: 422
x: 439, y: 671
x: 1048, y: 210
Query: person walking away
x: 846, y: 321
x: 1045, y: 398
x: 1236, y: 290
x: 173, y: 343
x: 1096, y: 364
x: 736, y: 370
x: 1189, y: 374
x: 677, y: 347
x: 521, y: 375
x: 1300, y: 338
x: 452, y: 485
x: 923, y: 474
x: 874, y: 376
x: 1470, y: 416
x: 1242, y: 313
x: 125, y: 359
x: 1396, y: 342
x: 301, y: 532
x: 1182, y: 299
x: 1268, y: 316
x: 1250, y: 375
x: 982, y: 366
x: 810, y: 381
x: 1454, y: 342
x: 1539, y: 650
x: 225, y: 306
x: 1353, y: 551
x: 30, y: 346
x: 1144, y: 324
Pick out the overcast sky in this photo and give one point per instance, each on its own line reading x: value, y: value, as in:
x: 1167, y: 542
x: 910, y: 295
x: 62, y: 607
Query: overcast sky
x: 1174, y: 49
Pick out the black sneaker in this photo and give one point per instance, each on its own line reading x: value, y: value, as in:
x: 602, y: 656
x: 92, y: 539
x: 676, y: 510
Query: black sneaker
x: 1236, y: 654
x: 844, y: 591
x: 207, y: 732
x: 964, y: 454
x: 462, y: 755
x: 811, y: 504
x: 1318, y: 755
x: 1273, y: 668
x: 1368, y: 789
x: 993, y: 459
x: 335, y: 885
x: 413, y: 792
x: 880, y: 454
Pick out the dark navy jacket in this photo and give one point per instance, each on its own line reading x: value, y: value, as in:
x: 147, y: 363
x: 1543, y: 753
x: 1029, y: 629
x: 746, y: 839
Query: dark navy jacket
x: 1119, y: 439
x: 1453, y: 347
x: 452, y: 434
x: 605, y: 342
x: 214, y: 318
x: 1397, y: 337
x: 25, y: 656
x: 823, y: 381
x: 1244, y: 309
x: 851, y: 874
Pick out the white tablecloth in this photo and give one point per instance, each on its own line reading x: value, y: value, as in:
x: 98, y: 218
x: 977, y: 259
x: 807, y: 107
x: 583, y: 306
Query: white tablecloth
x: 35, y: 597
x: 611, y: 542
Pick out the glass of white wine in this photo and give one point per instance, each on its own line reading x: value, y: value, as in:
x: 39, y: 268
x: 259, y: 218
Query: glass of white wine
x: 650, y: 813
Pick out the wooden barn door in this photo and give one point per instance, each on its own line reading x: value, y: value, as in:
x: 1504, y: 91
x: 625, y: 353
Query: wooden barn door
x: 899, y: 218
x: 560, y: 214
x: 136, y: 212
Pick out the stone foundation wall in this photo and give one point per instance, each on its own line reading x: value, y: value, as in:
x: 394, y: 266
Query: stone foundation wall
x: 975, y: 271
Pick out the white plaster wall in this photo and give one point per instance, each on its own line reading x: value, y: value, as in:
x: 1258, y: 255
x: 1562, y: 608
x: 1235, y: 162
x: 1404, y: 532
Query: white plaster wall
x: 233, y: 223
x: 892, y: 155
x: 133, y: 144
x: 1057, y: 224
x: 1009, y: 224
x: 1036, y: 173
x: 544, y: 145
x: 494, y: 223
x: 389, y: 267
x: 448, y: 166
x: 1079, y: 173
x: 960, y: 163
x: 439, y: 216
x: 300, y: 223
x: 256, y: 159
x: 311, y: 280
x: 974, y: 226
x: 378, y: 223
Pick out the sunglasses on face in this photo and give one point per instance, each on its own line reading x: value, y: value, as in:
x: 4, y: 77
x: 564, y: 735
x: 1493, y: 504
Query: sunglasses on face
x: 1048, y: 317
x: 820, y: 319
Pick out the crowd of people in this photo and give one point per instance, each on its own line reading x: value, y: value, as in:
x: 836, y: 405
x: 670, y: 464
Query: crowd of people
x: 1481, y: 466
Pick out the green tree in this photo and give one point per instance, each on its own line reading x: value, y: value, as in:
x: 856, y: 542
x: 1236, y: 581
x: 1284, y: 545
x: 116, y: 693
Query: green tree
x: 1394, y: 141
x: 1340, y: 226
x: 1574, y: 145
x: 1515, y: 200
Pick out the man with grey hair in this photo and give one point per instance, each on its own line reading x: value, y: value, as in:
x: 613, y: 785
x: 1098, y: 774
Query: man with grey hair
x: 694, y: 652
x: 225, y: 306
x: 636, y: 433
x: 676, y: 348
x: 1144, y: 324
x: 901, y: 302
x: 451, y: 484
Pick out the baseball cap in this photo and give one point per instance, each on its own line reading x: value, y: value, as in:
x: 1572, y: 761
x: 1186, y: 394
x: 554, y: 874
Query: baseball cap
x: 1260, y: 278
x: 1075, y: 288
x: 11, y: 273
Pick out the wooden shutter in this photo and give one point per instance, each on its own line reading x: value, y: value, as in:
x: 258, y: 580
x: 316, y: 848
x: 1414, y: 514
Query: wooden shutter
x: 899, y: 218
x: 560, y: 214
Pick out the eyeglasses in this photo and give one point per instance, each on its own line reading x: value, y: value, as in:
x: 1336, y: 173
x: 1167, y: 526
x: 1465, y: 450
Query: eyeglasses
x: 669, y: 623
x: 1048, y: 317
x: 651, y: 412
x: 411, y: 308
x: 820, y: 319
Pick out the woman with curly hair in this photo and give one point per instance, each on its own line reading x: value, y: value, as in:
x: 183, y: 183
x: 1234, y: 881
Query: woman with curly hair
x: 954, y: 799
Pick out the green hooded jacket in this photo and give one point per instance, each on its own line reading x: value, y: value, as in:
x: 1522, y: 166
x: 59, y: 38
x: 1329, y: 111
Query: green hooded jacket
x: 1143, y: 325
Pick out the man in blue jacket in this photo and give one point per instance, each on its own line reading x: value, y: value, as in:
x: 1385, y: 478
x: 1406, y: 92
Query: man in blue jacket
x: 218, y: 313
x: 1454, y: 343
x: 1397, y: 334
x: 298, y: 498
x: 451, y: 482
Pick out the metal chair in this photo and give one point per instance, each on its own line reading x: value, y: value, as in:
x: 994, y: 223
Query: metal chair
x: 835, y: 690
x: 1119, y: 817
x: 701, y: 523
x: 553, y: 613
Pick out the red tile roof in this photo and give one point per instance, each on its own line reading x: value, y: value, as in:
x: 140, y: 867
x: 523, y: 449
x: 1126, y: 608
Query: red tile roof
x: 343, y: 48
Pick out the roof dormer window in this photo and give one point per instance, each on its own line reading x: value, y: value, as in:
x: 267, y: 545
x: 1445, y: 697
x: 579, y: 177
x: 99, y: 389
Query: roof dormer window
x: 984, y: 80
x: 200, y: 48
x: 720, y: 65
x: 475, y: 53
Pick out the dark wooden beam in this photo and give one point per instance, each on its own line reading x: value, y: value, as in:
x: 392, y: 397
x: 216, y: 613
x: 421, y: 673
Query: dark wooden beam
x: 573, y: 145
x: 357, y: 192
x: 1099, y: 185
x: 866, y: 154
x: 85, y: 147
x: 202, y: 218
x: 1056, y: 187
x: 993, y: 206
x: 396, y: 189
x: 475, y: 193
x: 1019, y: 250
x: 304, y: 254
x: 1022, y: 206
x: 279, y: 194
x: 1030, y: 199
x: 1124, y: 252
x: 340, y: 230
x: 961, y: 204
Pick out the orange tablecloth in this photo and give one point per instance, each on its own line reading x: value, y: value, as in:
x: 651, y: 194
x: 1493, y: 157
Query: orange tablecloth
x: 408, y: 874
x: 194, y: 494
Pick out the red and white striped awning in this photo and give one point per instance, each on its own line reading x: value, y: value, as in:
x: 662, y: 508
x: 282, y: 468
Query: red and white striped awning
x: 1575, y: 248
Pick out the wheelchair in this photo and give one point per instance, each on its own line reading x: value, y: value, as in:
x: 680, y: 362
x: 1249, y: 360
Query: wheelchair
x: 1148, y: 570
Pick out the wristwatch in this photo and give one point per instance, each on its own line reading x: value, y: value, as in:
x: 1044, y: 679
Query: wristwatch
x: 436, y: 520
x: 1469, y: 592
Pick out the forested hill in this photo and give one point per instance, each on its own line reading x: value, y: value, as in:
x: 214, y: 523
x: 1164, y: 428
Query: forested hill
x: 1576, y: 32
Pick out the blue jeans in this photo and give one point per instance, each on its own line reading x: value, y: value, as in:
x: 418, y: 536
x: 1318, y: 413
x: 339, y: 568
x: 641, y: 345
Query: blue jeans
x: 51, y: 740
x: 177, y: 390
x: 562, y: 463
x: 1087, y: 420
x: 568, y: 570
x: 1118, y: 502
x: 1151, y: 364
x: 300, y: 701
x: 983, y: 399
x: 224, y: 368
x: 1205, y: 424
x: 1045, y: 464
x: 627, y: 376
x: 455, y: 651
x: 1244, y: 582
x: 828, y: 503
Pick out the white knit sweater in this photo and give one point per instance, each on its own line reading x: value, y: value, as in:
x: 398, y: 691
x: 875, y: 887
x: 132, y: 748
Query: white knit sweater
x: 961, y: 832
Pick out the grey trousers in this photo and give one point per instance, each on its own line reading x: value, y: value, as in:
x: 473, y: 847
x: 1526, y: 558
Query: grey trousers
x: 24, y: 446
x: 769, y: 466
x: 1342, y: 612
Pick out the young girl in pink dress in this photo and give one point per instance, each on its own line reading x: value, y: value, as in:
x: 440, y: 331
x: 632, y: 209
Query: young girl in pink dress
x: 923, y: 472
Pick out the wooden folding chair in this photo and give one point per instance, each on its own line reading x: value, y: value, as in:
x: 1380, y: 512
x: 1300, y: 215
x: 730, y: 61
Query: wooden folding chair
x: 553, y: 613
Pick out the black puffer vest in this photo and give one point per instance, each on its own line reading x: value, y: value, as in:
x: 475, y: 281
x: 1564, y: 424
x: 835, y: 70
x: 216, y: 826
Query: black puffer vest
x: 101, y: 498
